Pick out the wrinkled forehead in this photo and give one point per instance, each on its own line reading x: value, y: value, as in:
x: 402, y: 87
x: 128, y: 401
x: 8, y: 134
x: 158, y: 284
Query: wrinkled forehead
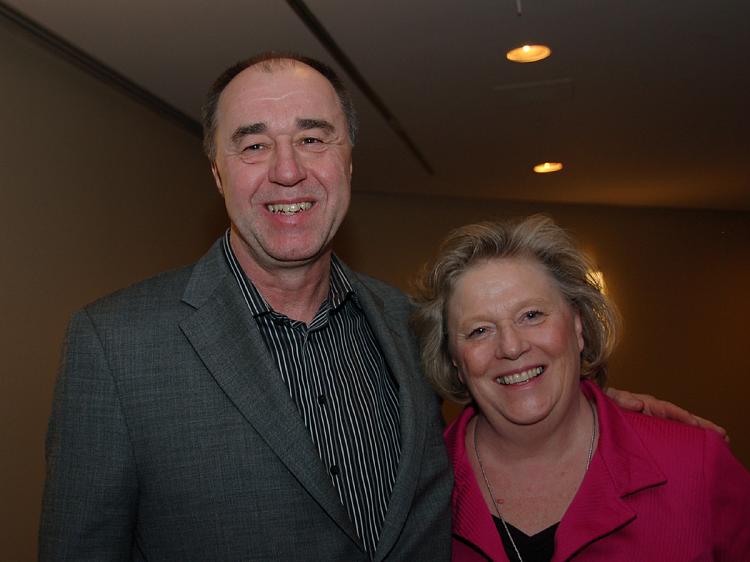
x: 522, y: 270
x: 281, y: 88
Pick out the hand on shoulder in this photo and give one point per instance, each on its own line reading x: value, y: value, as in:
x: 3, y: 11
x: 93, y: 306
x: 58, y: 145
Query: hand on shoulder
x: 652, y: 406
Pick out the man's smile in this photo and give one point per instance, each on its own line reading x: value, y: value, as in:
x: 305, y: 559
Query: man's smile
x: 289, y: 208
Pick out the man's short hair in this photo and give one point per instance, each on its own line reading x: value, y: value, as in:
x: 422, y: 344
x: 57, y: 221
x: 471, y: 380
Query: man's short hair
x: 268, y: 62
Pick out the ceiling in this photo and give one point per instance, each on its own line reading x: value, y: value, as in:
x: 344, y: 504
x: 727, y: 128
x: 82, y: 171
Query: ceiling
x: 644, y: 101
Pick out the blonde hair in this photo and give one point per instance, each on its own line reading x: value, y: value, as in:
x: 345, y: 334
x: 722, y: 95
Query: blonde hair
x: 536, y: 237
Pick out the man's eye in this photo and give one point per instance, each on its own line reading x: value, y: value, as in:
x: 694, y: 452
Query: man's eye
x: 256, y: 146
x: 310, y: 140
x: 533, y: 315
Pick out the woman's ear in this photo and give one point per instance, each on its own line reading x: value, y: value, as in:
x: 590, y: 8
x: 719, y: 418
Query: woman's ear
x: 578, y: 325
x: 458, y: 371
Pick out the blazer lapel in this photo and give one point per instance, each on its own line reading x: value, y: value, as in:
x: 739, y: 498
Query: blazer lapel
x: 393, y: 335
x: 621, y: 466
x: 227, y: 339
x: 471, y: 518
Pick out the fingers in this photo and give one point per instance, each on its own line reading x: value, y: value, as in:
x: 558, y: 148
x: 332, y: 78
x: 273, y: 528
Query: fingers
x: 708, y: 424
x: 625, y: 399
x: 661, y: 409
x: 667, y: 410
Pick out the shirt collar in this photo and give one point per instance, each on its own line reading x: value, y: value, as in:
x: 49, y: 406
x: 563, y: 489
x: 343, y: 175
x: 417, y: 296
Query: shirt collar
x: 340, y: 287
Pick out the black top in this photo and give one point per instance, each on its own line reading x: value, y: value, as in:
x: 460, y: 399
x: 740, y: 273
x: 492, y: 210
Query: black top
x: 535, y: 548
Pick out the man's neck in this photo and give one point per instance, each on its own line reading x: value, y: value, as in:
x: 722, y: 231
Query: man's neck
x: 296, y: 292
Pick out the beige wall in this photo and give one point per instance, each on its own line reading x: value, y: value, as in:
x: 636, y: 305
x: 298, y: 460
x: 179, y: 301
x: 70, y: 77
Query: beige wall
x: 680, y: 279
x: 98, y: 191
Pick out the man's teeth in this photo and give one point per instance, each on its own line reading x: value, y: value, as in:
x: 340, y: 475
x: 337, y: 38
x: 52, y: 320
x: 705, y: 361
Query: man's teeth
x: 521, y: 377
x: 290, y: 208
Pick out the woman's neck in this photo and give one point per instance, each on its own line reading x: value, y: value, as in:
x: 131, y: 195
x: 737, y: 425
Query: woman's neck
x: 549, y: 438
x: 531, y: 473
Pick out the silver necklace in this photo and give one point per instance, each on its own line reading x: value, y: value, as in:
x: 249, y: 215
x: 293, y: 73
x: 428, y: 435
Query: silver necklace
x: 489, y: 487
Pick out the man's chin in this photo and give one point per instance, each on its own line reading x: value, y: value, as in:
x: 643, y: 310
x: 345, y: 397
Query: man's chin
x: 291, y: 258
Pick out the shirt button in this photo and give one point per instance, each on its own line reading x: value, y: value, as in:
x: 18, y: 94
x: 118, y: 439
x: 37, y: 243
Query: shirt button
x: 334, y: 470
x: 322, y: 399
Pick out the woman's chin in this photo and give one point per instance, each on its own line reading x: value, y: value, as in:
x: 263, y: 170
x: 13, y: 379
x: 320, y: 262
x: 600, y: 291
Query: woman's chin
x: 526, y: 414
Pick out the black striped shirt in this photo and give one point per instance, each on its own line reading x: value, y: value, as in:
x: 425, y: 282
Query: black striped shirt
x: 344, y: 391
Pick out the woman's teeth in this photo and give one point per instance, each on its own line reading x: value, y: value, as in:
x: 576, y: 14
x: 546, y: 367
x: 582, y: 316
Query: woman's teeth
x: 290, y: 208
x: 521, y: 377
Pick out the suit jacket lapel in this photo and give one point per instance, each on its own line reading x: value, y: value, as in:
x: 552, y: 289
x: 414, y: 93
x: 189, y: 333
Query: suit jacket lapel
x: 227, y: 339
x: 393, y: 335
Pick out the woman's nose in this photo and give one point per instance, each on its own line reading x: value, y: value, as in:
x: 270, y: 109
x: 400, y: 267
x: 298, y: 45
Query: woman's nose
x: 511, y: 343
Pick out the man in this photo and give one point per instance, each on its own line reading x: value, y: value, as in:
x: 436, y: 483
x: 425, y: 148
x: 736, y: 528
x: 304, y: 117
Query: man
x: 266, y: 402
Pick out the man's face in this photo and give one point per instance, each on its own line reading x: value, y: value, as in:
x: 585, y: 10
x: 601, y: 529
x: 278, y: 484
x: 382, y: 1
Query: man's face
x: 283, y: 164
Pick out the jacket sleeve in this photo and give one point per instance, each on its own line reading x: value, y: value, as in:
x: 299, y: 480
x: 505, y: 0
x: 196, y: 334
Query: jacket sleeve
x: 728, y: 492
x: 90, y: 495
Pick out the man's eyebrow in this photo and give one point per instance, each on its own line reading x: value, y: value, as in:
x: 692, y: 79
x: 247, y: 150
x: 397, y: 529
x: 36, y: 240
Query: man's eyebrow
x: 306, y: 124
x: 244, y: 130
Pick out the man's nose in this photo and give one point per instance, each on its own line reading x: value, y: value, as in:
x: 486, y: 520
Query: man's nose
x: 286, y: 168
x: 511, y: 343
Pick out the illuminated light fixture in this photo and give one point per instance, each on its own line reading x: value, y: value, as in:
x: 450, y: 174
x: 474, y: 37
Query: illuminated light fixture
x: 548, y: 167
x: 528, y: 53
x: 597, y: 278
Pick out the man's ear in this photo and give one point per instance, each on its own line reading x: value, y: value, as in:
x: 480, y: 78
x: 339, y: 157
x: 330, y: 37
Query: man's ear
x: 217, y: 177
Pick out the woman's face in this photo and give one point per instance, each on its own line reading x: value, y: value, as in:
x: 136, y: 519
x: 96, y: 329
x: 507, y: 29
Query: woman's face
x: 515, y: 341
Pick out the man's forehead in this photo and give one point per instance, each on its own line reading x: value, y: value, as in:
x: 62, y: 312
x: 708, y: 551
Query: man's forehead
x: 279, y: 96
x: 279, y: 82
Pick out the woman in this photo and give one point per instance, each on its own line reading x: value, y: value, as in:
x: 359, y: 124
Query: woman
x: 546, y: 466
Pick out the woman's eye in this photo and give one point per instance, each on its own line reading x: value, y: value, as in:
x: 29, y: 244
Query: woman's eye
x: 477, y: 332
x: 533, y: 315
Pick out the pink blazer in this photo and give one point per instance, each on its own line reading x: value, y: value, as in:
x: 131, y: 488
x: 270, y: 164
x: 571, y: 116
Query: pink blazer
x: 655, y: 491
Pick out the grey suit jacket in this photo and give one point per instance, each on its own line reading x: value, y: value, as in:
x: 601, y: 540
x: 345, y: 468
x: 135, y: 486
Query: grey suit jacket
x: 173, y: 437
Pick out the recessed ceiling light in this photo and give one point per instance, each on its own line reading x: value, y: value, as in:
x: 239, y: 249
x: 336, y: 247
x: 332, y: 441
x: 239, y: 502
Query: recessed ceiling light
x: 529, y: 53
x: 547, y: 167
